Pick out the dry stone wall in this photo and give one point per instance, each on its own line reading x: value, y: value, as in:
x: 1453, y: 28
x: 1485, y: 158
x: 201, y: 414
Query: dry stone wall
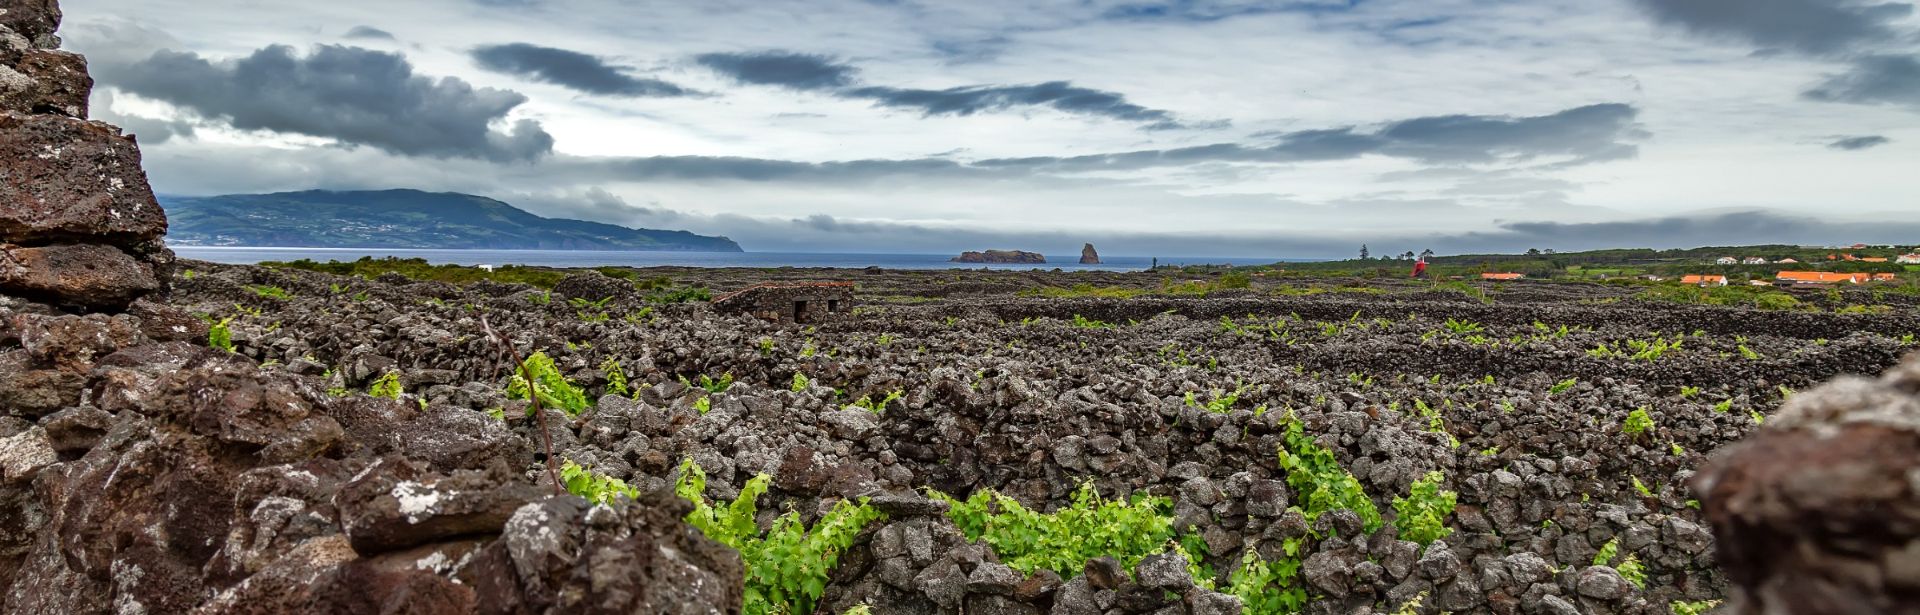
x: 79, y: 226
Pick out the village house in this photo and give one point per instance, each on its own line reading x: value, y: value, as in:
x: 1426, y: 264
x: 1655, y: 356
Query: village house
x: 1727, y: 260
x: 1787, y: 261
x: 1873, y: 259
x: 790, y: 302
x: 1753, y: 260
x: 1503, y: 276
x: 1908, y: 259
x: 1704, y: 280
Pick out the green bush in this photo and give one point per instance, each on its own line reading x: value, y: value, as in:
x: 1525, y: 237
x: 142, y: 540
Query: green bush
x: 598, y: 488
x: 1319, y: 482
x: 220, y: 334
x: 1063, y: 541
x: 552, y: 388
x: 387, y: 386
x: 788, y: 565
x: 1270, y: 588
x: 1638, y: 423
x: 1422, y: 515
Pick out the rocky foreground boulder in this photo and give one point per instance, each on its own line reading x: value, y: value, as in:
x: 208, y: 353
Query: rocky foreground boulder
x: 79, y: 226
x: 1820, y: 511
x: 143, y: 471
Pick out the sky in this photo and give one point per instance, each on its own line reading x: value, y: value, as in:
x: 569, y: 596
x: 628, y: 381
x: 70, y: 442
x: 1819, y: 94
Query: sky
x: 1287, y: 129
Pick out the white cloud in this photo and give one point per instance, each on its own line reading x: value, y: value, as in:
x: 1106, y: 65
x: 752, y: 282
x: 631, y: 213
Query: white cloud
x: 1727, y: 127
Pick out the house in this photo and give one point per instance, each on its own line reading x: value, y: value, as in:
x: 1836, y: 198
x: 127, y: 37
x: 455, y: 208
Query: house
x: 1503, y: 276
x: 1787, y: 261
x: 1886, y: 277
x: 1821, y: 277
x: 1908, y: 259
x: 790, y: 302
x: 1759, y: 283
x: 1753, y: 260
x: 1873, y: 259
x: 1727, y: 260
x: 1704, y: 280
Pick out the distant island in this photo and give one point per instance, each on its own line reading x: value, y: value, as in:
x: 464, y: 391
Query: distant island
x: 402, y: 219
x: 1001, y: 257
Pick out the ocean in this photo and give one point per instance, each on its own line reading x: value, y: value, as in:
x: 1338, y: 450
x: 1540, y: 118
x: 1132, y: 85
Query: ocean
x: 579, y: 258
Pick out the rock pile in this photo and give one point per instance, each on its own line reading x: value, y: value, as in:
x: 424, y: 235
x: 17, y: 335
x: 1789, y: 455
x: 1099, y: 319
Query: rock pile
x: 1820, y: 511
x: 142, y: 471
x: 79, y: 226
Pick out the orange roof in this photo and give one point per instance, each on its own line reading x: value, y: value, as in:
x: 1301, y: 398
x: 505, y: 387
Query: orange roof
x: 1703, y: 279
x: 1822, y: 277
x: 1873, y: 259
x: 1502, y: 276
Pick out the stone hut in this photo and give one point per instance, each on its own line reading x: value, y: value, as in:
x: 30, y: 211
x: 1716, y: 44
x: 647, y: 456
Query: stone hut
x: 790, y: 302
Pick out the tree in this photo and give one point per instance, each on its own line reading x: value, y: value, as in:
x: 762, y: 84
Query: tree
x: 1533, y: 251
x: 1364, y: 254
x: 1426, y: 254
x: 1407, y: 256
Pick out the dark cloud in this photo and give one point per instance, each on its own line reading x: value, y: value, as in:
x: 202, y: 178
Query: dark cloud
x: 1583, y: 134
x: 1060, y: 95
x: 1874, y: 79
x: 798, y: 71
x: 1812, y: 26
x: 1859, y: 143
x: 822, y: 73
x: 369, y: 33
x: 570, y: 69
x: 354, y: 95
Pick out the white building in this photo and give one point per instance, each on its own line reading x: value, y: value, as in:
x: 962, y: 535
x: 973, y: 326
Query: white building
x: 1728, y: 260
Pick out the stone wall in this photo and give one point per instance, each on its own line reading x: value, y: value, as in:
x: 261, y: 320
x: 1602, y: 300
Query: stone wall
x: 79, y: 226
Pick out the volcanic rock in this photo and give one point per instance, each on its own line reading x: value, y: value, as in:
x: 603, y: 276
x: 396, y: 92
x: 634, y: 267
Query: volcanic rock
x: 86, y: 275
x: 1819, y: 512
x: 1001, y: 257
x: 63, y: 179
x: 1088, y: 256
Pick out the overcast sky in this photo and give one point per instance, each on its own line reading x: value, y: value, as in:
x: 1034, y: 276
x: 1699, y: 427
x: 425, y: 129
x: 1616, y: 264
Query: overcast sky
x: 1196, y: 128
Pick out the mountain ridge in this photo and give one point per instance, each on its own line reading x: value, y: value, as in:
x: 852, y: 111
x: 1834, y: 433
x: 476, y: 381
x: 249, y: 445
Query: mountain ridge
x: 403, y: 218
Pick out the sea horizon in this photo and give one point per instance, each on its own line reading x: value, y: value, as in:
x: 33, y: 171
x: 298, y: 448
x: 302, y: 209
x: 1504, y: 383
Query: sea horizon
x: 247, y: 255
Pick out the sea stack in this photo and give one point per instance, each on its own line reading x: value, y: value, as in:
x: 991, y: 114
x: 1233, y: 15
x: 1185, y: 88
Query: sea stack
x: 79, y: 226
x: 1089, y: 256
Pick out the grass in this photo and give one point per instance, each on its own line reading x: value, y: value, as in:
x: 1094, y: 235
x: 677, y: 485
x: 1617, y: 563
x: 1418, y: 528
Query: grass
x: 418, y: 269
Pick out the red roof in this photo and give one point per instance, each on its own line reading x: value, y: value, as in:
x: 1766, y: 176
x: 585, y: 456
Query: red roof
x: 1704, y: 279
x: 1502, y: 276
x: 1823, y: 277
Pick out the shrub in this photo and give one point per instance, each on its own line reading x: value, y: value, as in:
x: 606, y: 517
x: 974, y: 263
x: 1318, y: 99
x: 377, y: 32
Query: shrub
x: 1422, y: 515
x: 1270, y: 588
x: 387, y: 386
x: 1638, y: 423
x: 1630, y: 568
x: 1319, y: 481
x: 597, y: 488
x: 712, y: 386
x: 800, y: 382
x: 616, y: 377
x: 552, y: 388
x: 1063, y: 541
x: 269, y: 292
x: 787, y: 566
x: 220, y: 335
x: 1563, y: 386
x: 1082, y: 322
